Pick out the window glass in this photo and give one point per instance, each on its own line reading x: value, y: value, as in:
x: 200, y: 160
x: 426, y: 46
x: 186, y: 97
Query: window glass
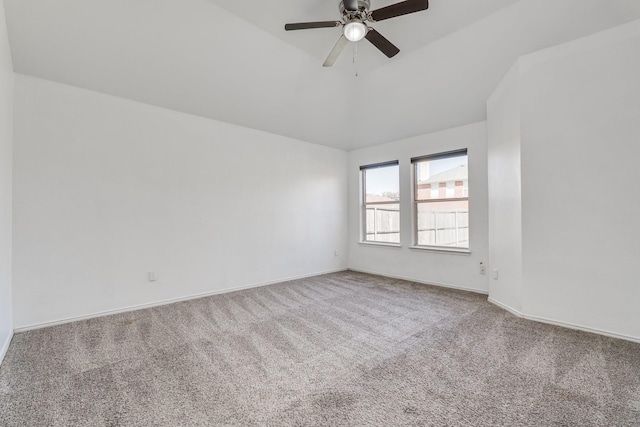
x: 441, y: 200
x: 382, y: 184
x: 443, y: 224
x: 380, y: 205
x: 382, y: 223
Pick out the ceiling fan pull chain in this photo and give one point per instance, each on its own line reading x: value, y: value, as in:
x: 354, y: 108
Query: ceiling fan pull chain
x: 355, y: 57
x: 355, y: 47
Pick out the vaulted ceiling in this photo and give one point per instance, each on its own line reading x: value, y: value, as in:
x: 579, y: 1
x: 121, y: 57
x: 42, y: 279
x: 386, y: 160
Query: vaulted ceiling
x: 232, y: 61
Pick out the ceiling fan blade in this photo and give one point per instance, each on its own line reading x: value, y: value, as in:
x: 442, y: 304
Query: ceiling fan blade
x: 382, y: 43
x: 336, y: 51
x: 351, y: 5
x: 399, y: 9
x: 310, y: 25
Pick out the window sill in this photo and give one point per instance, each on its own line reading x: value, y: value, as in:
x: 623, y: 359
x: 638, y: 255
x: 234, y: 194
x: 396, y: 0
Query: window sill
x: 442, y: 249
x: 387, y: 245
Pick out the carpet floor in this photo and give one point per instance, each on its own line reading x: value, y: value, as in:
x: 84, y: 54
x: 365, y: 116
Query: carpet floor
x: 339, y: 349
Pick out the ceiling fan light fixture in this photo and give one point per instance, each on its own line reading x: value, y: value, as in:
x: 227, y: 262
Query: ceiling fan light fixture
x: 355, y: 31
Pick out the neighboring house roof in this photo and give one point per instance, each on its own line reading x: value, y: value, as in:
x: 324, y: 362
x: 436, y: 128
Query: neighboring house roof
x: 373, y: 198
x: 459, y: 173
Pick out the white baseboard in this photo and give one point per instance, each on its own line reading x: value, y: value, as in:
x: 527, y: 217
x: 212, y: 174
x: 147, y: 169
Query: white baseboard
x: 5, y: 347
x: 506, y: 307
x: 409, y: 279
x: 165, y: 302
x: 564, y: 324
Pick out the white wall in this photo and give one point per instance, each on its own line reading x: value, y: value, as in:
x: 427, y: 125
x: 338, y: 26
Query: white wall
x: 579, y: 128
x: 106, y: 190
x: 580, y: 134
x: 448, y: 269
x: 6, y: 126
x: 505, y: 198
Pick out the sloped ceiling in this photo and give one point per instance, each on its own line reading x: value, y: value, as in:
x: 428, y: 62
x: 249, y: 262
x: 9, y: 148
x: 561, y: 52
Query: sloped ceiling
x: 232, y: 61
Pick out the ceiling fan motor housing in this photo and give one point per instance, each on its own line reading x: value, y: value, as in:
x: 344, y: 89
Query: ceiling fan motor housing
x: 361, y: 13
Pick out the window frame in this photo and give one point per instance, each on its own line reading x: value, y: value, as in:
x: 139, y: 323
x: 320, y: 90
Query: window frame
x: 364, y: 204
x: 416, y: 202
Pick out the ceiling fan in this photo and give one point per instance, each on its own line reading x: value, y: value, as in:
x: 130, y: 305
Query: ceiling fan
x: 355, y: 16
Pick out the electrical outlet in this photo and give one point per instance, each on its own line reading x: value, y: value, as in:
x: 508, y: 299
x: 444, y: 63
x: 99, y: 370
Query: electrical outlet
x: 335, y: 253
x: 152, y: 276
x: 495, y: 274
x: 483, y: 269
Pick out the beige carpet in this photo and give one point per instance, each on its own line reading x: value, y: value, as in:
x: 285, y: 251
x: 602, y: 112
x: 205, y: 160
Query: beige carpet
x: 339, y: 349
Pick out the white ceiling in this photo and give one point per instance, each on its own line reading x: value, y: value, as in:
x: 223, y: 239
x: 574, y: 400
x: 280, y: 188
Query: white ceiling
x: 232, y: 61
x: 408, y: 32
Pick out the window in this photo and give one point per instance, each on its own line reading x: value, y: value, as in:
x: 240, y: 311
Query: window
x: 451, y: 189
x: 435, y: 190
x: 381, y: 203
x: 441, y: 200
